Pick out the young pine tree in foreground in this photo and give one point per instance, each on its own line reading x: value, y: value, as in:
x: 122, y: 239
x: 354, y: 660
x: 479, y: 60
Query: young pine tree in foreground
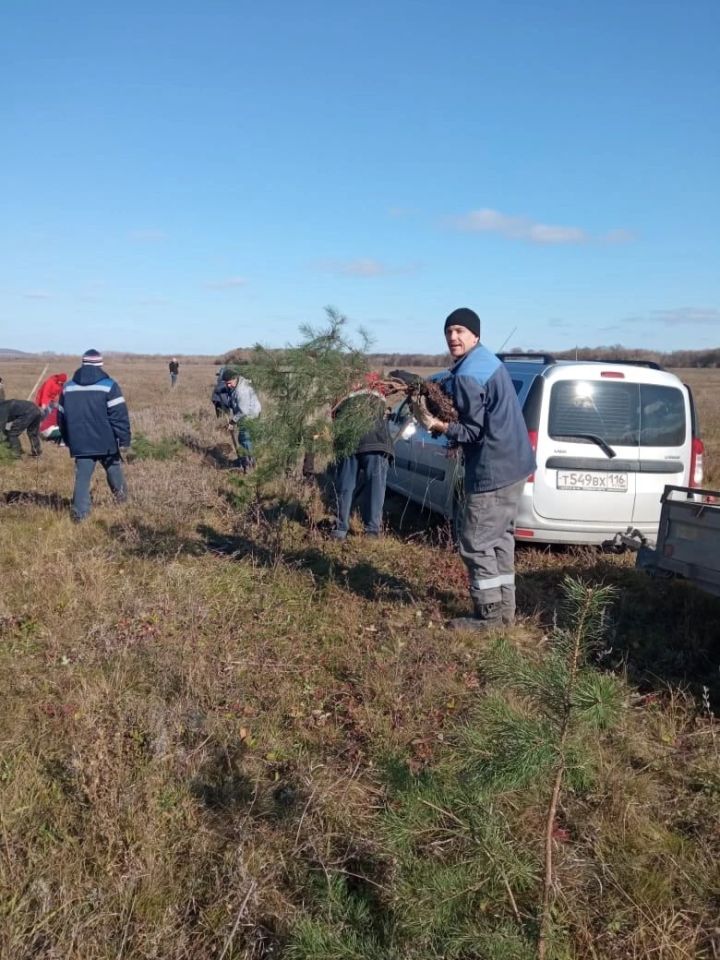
x: 470, y: 842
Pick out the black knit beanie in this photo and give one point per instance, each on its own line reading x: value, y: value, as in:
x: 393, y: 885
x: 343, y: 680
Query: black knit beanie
x: 464, y: 317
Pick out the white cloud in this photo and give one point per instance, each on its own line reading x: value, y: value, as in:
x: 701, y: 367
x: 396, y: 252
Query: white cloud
x: 516, y: 228
x: 680, y: 316
x: 229, y: 283
x: 37, y: 295
x: 364, y: 267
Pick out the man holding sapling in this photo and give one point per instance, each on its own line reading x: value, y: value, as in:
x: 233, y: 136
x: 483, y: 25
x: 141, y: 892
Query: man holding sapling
x: 498, y: 460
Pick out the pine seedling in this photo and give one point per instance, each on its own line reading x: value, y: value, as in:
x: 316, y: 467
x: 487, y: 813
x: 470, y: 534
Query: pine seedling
x: 342, y: 927
x: 548, y: 738
x: 300, y: 385
x: 461, y: 880
x: 464, y: 877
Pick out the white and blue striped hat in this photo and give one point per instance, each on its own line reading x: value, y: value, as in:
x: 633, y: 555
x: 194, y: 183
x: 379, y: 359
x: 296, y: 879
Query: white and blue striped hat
x: 92, y: 358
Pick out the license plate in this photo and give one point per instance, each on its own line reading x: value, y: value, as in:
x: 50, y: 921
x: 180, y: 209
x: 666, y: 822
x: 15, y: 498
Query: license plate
x: 593, y: 481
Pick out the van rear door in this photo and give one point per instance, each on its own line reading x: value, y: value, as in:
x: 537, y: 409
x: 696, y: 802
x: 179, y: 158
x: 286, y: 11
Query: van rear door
x: 587, y: 450
x: 665, y: 446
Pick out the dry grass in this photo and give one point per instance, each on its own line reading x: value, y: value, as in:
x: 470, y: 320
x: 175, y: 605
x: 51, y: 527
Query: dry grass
x: 200, y: 707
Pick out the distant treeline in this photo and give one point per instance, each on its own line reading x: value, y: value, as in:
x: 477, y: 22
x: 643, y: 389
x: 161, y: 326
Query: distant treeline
x: 676, y: 358
x: 616, y: 353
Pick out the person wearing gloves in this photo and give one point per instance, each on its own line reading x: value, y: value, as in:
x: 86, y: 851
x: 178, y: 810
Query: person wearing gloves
x: 95, y: 426
x: 498, y: 460
x: 242, y: 404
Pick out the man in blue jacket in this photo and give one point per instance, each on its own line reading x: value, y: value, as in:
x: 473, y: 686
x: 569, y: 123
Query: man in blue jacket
x: 94, y: 424
x: 498, y: 460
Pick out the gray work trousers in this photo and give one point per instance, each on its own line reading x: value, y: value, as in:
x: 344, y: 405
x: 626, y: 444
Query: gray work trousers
x: 487, y: 546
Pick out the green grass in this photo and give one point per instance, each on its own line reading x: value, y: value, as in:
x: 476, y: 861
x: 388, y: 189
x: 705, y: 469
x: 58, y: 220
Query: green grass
x: 6, y: 455
x: 224, y: 734
x: 166, y: 448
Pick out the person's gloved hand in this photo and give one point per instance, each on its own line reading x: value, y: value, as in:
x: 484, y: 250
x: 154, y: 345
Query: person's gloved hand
x: 423, y: 416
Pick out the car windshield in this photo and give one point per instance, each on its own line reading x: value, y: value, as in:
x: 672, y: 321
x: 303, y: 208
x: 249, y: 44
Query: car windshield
x: 624, y: 414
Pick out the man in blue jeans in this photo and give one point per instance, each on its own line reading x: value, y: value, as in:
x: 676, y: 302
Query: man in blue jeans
x: 95, y: 426
x: 498, y: 460
x: 363, y: 473
x: 242, y: 404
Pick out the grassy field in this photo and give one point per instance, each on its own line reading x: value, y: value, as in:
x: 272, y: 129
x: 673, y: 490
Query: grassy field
x: 225, y: 736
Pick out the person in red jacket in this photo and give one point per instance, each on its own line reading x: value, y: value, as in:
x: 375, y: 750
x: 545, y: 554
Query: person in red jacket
x: 49, y: 391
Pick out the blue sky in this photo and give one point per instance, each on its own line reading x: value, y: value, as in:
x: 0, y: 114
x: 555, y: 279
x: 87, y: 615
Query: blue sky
x: 183, y: 177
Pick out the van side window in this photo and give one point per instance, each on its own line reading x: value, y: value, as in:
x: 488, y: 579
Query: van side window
x: 662, y: 416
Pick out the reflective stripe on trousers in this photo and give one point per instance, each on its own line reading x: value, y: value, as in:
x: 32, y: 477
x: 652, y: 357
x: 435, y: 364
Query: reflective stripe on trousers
x: 490, y: 583
x: 487, y: 545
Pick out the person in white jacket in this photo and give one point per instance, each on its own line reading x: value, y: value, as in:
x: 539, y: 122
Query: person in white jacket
x: 244, y: 405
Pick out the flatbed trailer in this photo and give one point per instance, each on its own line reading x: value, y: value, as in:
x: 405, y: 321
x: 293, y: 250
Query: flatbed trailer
x: 688, y: 542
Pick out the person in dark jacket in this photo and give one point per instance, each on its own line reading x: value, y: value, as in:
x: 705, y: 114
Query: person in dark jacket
x: 174, y: 368
x: 220, y: 398
x: 95, y: 426
x: 19, y: 416
x: 362, y: 473
x: 498, y: 460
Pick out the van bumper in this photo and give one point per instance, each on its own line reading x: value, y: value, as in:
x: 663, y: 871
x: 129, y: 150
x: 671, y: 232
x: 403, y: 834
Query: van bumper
x: 531, y: 528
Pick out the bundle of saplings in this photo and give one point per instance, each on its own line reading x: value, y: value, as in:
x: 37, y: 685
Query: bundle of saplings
x: 439, y: 403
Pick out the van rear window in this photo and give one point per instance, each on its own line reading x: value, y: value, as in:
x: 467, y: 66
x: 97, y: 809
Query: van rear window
x: 629, y: 414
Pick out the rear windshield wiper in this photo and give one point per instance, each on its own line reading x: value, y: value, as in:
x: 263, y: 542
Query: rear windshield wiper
x: 605, y: 447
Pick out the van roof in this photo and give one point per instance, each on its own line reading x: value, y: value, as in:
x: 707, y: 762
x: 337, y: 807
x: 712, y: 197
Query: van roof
x: 546, y: 359
x: 543, y: 365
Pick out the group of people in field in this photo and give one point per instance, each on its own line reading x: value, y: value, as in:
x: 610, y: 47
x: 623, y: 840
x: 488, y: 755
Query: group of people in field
x: 90, y: 416
x: 86, y: 413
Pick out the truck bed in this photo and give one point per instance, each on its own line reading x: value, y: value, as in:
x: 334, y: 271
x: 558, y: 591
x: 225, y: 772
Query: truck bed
x: 688, y: 543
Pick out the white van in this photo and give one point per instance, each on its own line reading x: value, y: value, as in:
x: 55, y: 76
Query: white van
x: 608, y: 437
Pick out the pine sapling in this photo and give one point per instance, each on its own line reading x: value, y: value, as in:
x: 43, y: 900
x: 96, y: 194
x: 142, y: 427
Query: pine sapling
x: 300, y: 384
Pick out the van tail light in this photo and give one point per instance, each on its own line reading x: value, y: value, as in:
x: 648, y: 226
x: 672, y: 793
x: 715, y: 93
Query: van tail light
x: 533, y: 438
x: 612, y: 374
x: 696, y: 462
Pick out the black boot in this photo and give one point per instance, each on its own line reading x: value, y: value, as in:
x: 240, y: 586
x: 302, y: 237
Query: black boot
x: 487, y: 617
